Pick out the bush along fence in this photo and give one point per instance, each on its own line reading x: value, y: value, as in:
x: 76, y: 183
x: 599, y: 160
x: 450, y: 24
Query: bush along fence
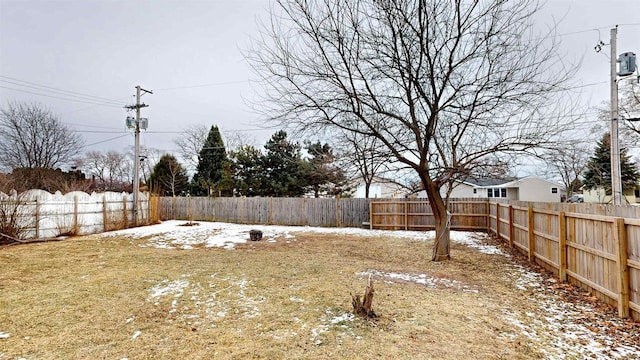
x: 38, y: 214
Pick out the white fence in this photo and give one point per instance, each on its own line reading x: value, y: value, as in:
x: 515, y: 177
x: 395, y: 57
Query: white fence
x: 40, y: 214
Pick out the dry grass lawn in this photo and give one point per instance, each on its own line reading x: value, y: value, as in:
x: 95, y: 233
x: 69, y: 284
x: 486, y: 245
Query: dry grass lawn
x: 109, y: 298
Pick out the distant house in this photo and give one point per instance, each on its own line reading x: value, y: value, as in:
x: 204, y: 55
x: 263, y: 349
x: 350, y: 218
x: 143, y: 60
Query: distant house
x: 598, y: 195
x: 380, y: 188
x: 529, y: 188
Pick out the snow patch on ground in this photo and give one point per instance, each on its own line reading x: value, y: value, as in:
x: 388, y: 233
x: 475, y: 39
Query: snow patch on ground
x: 331, y: 321
x: 476, y: 241
x: 556, y: 326
x: 172, y: 234
x: 431, y: 282
x: 198, y: 304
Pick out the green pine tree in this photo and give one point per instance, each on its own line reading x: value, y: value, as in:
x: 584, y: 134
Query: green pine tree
x: 247, y: 171
x: 169, y: 177
x: 282, y: 164
x: 209, y: 178
x: 598, y: 172
x: 321, y: 173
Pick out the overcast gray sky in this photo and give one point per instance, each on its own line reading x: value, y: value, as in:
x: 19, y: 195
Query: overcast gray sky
x: 190, y: 54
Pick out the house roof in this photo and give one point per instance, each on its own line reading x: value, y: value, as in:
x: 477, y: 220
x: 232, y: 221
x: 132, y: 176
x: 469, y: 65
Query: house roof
x: 503, y: 183
x: 487, y: 181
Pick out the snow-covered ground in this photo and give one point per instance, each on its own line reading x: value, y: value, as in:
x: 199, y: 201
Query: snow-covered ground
x: 557, y: 327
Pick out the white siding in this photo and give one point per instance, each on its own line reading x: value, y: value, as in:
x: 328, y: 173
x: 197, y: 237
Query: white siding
x: 539, y: 190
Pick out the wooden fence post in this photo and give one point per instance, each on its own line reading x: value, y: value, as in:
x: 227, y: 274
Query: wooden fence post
x: 406, y: 215
x: 104, y: 213
x: 620, y: 241
x: 124, y: 211
x: 488, y: 217
x: 562, y: 244
x: 532, y: 244
x: 304, y: 211
x: 76, y: 226
x: 498, y: 220
x: 270, y: 210
x: 511, y: 232
x: 338, y: 212
x: 370, y: 215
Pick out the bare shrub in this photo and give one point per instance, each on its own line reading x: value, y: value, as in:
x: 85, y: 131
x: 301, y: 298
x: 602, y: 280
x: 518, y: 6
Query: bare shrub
x: 13, y: 214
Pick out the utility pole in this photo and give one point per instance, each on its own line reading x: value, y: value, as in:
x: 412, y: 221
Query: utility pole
x: 616, y: 183
x: 136, y: 172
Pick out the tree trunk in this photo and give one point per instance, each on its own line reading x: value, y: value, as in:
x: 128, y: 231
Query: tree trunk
x: 442, y: 220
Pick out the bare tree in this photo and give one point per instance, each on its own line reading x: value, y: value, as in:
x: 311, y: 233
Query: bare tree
x: 629, y: 107
x: 110, y: 170
x: 189, y: 144
x: 363, y: 157
x: 568, y: 163
x: 443, y: 84
x: 32, y: 137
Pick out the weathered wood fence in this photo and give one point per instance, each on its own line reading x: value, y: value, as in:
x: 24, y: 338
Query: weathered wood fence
x: 269, y: 211
x: 596, y: 247
x: 466, y: 214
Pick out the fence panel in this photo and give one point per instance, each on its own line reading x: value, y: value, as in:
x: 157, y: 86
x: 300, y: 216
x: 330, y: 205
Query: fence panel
x: 258, y: 210
x: 633, y: 261
x: 521, y: 227
x: 590, y: 245
x: 45, y: 215
x: 546, y: 238
x: 354, y: 212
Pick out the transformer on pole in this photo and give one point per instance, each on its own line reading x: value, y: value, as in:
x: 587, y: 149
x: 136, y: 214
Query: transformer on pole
x: 137, y: 124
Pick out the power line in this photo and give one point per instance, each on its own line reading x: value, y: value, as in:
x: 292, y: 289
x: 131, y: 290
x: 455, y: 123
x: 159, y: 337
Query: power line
x: 104, y: 141
x: 41, y: 87
x: 58, y: 97
x: 204, y: 85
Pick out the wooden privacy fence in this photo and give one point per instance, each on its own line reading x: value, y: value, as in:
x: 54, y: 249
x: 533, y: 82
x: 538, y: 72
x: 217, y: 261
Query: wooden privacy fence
x: 595, y: 247
x: 466, y: 214
x: 271, y: 211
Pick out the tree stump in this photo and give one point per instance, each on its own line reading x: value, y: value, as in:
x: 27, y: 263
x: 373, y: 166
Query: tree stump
x: 362, y: 307
x: 255, y: 235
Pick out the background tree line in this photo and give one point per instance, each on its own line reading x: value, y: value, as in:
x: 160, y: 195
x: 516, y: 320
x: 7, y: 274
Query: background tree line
x: 282, y: 168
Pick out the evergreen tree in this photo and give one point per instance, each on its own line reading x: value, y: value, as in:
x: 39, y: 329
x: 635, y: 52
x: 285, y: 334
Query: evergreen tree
x: 211, y: 164
x: 598, y: 172
x: 283, y: 168
x: 321, y: 173
x: 247, y: 171
x: 169, y: 177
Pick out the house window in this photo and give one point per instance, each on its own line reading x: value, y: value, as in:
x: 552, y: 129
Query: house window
x: 490, y: 192
x: 554, y: 190
x: 503, y: 193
